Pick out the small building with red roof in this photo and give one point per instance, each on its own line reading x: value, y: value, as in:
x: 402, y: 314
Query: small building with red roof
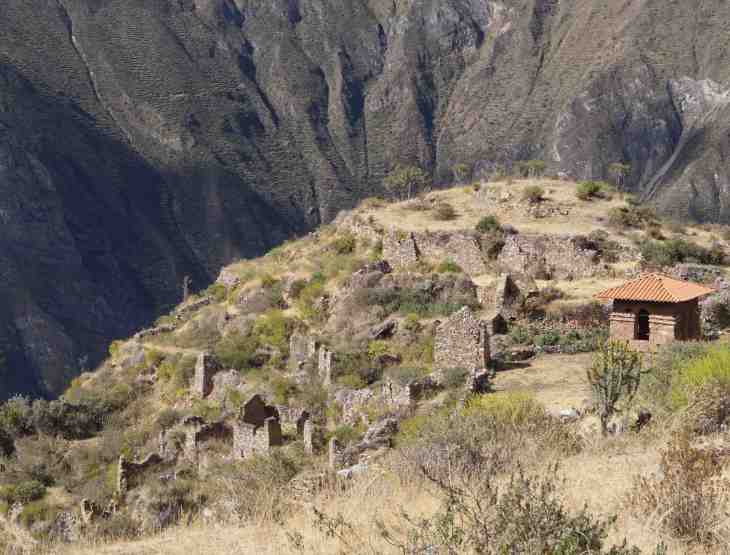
x: 654, y: 310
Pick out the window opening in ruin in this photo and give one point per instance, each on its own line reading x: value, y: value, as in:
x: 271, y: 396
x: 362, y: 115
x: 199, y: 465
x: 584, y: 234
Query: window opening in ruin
x: 641, y: 331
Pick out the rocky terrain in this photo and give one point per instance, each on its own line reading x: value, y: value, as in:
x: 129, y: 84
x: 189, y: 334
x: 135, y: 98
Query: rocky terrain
x: 144, y: 142
x: 302, y: 399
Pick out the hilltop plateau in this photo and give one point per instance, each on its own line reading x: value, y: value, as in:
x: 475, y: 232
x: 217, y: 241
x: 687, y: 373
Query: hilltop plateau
x: 412, y: 376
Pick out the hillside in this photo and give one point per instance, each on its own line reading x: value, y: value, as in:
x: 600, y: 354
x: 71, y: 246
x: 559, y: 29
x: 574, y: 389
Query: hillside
x: 142, y: 142
x: 406, y: 349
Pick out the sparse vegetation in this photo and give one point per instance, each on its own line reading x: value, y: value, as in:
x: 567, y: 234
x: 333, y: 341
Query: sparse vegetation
x: 488, y: 224
x: 614, y: 377
x: 533, y: 194
x: 405, y: 181
x: 443, y: 211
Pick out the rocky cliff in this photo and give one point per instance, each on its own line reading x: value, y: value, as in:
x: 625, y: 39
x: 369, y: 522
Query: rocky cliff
x: 141, y: 142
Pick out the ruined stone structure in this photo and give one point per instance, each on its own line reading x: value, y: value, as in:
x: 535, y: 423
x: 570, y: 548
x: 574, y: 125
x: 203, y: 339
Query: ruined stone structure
x: 205, y: 368
x: 459, y: 247
x: 462, y: 341
x: 399, y: 249
x: 128, y: 471
x: 654, y: 310
x: 302, y: 349
x: 249, y: 439
x: 336, y: 455
x: 324, y: 366
x: 508, y: 299
x: 353, y: 403
x: 308, y: 437
x: 548, y: 257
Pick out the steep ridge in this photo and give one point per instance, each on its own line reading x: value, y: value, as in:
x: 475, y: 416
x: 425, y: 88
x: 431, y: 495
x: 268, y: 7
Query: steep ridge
x: 176, y: 136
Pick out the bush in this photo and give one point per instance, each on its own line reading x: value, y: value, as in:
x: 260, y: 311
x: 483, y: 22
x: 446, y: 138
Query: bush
x: 701, y: 385
x: 449, y: 267
x: 282, y: 389
x: 411, y: 323
x: 549, y: 338
x: 673, y: 251
x: 24, y: 492
x: 631, y: 217
x: 454, y: 377
x: 587, y: 190
x: 689, y: 495
x: 352, y: 381
x: 488, y: 224
x: 239, y: 352
x: 217, y: 292
x: 443, y: 211
x: 344, y: 244
x: 16, y: 417
x: 521, y: 335
x: 167, y: 418
x: 533, y: 194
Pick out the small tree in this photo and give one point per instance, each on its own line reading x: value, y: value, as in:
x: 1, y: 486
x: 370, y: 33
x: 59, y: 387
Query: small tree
x: 531, y: 168
x: 614, y: 376
x: 618, y: 172
x: 404, y: 181
x: 461, y: 172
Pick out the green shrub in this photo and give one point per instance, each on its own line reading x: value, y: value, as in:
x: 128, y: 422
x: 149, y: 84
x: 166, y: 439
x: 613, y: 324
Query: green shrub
x: 449, y: 267
x: 16, y: 417
x: 239, y: 352
x: 344, y: 244
x: 24, y: 492
x: 586, y: 190
x: 443, y: 211
x: 521, y: 335
x: 411, y: 323
x: 167, y: 418
x: 533, y: 194
x: 488, y: 224
x: 673, y: 251
x: 296, y: 288
x: 549, y: 338
x: 217, y: 292
x: 282, y: 389
x: 631, y: 217
x: 153, y: 358
x: 455, y: 377
x: 346, y: 434
x: 711, y: 368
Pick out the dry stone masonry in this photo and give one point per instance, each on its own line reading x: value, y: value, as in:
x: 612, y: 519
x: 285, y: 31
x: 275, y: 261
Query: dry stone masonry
x: 462, y: 341
x: 548, y: 257
x: 399, y: 249
x: 205, y: 368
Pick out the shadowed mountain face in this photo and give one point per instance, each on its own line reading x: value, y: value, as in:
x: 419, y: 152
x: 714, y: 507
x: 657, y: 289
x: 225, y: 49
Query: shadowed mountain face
x: 142, y: 141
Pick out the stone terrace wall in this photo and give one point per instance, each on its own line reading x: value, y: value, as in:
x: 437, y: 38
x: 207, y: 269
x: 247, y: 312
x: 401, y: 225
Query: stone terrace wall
x: 399, y: 249
x: 557, y: 257
x: 461, y: 341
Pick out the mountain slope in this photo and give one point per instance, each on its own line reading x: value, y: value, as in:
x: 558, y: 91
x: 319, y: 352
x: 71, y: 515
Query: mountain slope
x: 145, y: 141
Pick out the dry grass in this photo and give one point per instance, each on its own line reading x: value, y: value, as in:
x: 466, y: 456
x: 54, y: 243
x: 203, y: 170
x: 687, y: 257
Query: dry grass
x: 582, y: 217
x: 556, y: 381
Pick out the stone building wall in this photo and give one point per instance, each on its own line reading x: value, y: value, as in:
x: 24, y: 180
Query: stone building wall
x: 302, y: 349
x: 459, y: 247
x: 399, y: 249
x: 324, y: 366
x: 128, y: 471
x: 205, y: 368
x: 249, y: 440
x: 548, y: 257
x: 667, y: 322
x: 462, y: 341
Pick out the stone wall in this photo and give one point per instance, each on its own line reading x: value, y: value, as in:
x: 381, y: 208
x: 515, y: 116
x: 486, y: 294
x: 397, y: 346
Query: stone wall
x: 461, y: 341
x: 302, y: 349
x: 205, y: 368
x: 548, y: 257
x: 324, y: 366
x: 128, y: 471
x: 459, y: 247
x: 399, y: 249
x: 667, y: 323
x: 354, y: 403
x: 249, y: 440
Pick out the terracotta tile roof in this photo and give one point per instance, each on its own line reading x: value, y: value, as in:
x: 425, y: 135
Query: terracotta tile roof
x: 656, y: 288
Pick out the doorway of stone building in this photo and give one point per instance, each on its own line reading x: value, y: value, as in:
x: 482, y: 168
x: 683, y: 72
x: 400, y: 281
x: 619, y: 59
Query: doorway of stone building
x: 642, y: 326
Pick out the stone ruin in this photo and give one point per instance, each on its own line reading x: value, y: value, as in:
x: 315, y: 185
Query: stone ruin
x: 129, y: 471
x: 257, y: 429
x: 205, y: 368
x: 304, y: 349
x: 399, y: 249
x: 253, y: 431
x: 548, y: 257
x: 462, y: 341
x: 378, y: 436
